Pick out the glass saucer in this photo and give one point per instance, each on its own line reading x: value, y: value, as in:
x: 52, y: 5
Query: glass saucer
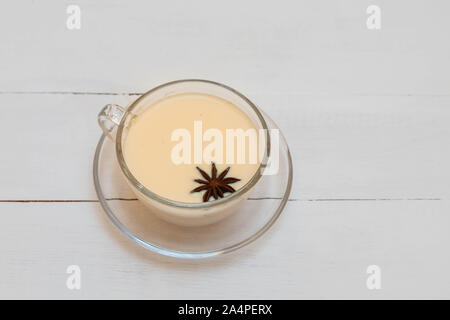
x: 258, y: 213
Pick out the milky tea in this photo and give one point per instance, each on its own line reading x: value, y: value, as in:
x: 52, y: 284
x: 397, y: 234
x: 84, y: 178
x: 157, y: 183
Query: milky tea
x: 168, y: 141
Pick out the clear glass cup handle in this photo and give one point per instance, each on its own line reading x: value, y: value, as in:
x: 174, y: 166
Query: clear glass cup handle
x: 109, y: 118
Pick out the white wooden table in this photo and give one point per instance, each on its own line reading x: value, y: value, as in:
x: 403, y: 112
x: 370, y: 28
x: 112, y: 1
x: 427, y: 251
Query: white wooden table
x: 366, y: 114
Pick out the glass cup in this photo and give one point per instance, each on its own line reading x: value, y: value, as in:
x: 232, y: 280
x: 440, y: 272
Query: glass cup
x: 115, y: 122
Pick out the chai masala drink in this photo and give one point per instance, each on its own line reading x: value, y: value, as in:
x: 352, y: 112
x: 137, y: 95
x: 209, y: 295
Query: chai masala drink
x: 183, y: 149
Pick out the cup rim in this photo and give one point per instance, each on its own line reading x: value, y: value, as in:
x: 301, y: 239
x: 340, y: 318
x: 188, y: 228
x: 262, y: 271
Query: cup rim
x: 148, y: 193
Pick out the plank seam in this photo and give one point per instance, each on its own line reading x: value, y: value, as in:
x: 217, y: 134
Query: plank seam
x: 93, y: 93
x: 254, y: 199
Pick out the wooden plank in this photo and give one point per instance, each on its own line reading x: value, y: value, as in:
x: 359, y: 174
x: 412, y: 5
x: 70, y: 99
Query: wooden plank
x: 315, y: 250
x: 342, y: 147
x: 294, y: 46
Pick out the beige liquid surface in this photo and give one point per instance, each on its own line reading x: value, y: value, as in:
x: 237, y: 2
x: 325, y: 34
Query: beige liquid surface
x: 148, y: 145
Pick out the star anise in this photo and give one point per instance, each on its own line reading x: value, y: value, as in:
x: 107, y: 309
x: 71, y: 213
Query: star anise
x: 215, y: 186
